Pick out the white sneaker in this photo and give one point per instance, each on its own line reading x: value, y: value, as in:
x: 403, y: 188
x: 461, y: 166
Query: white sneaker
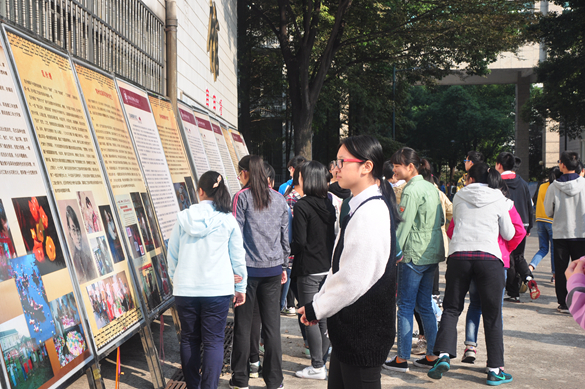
x: 312, y: 373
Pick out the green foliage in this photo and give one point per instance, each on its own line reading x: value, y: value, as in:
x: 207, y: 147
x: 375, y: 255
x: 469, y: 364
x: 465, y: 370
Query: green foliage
x: 563, y: 73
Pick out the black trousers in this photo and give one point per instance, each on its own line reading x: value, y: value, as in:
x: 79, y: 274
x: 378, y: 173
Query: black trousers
x: 563, y: 249
x: 344, y: 376
x: 518, y: 270
x: 489, y: 278
x: 267, y: 292
x: 255, y: 334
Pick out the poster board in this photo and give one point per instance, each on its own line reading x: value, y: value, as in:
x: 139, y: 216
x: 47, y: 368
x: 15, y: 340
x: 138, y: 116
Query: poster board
x: 239, y: 145
x: 151, y: 156
x: 39, y: 310
x: 184, y: 183
x: 209, y: 142
x: 66, y: 142
x: 139, y: 227
x: 228, y: 141
x: 192, y: 137
x: 230, y: 171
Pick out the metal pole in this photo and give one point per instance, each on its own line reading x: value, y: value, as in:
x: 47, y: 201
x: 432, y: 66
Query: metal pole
x: 394, y: 102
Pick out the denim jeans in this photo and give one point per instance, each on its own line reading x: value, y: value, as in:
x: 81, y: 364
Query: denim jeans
x: 415, y: 286
x: 474, y: 313
x: 545, y: 238
x: 284, y: 290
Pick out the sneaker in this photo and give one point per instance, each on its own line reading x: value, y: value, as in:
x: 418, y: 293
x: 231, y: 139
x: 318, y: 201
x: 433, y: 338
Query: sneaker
x: 307, y: 353
x: 424, y: 362
x: 232, y: 386
x: 534, y: 292
x: 494, y: 379
x: 255, y: 370
x: 261, y: 349
x: 395, y: 366
x: 523, y: 287
x: 513, y: 299
x: 438, y: 300
x: 312, y: 373
x: 442, y: 365
x: 289, y: 311
x: 415, y: 334
x: 421, y: 347
x: 563, y: 309
x: 469, y: 355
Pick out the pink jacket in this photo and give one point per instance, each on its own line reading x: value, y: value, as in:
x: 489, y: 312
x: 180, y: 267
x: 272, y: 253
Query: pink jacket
x: 576, y: 298
x: 506, y: 247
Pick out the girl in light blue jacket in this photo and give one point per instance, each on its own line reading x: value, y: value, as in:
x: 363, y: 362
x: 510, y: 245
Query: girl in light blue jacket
x: 206, y: 252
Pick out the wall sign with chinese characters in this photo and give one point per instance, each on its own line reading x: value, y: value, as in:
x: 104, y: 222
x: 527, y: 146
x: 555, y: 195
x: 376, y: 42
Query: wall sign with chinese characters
x: 195, y: 148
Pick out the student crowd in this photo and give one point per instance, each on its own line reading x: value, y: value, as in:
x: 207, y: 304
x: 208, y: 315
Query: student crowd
x: 359, y: 245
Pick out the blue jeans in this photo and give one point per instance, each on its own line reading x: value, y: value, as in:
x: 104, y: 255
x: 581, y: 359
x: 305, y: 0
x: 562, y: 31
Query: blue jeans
x: 284, y: 290
x: 474, y: 313
x: 545, y: 238
x: 415, y: 286
x: 203, y: 320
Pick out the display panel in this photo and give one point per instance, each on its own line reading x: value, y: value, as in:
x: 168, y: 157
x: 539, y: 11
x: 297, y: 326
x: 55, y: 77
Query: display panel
x: 195, y: 146
x: 168, y: 129
x: 150, y: 155
x: 209, y: 142
x: 41, y: 331
x: 239, y: 144
x: 230, y: 171
x: 228, y: 141
x: 74, y: 171
x: 139, y: 228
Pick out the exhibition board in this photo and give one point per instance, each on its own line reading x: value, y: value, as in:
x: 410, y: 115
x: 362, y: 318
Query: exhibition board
x: 140, y: 230
x: 193, y: 142
x: 170, y: 136
x: 209, y: 142
x: 83, y: 202
x: 230, y: 171
x: 42, y: 329
x: 151, y: 156
x: 230, y: 145
x: 239, y: 144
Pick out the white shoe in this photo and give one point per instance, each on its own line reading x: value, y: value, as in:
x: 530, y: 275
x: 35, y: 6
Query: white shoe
x: 312, y: 373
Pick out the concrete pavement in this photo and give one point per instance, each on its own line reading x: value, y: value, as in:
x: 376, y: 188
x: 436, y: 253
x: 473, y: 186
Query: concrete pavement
x: 543, y: 349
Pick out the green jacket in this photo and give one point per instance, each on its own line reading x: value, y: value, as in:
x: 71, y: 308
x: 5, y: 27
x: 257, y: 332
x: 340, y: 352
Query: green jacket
x: 420, y: 234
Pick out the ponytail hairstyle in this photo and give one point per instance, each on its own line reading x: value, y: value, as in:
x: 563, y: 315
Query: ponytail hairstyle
x: 495, y: 181
x: 405, y: 156
x: 426, y: 171
x: 554, y: 174
x: 367, y: 148
x: 295, y: 180
x: 258, y: 182
x: 213, y: 184
x: 479, y: 173
x: 270, y: 173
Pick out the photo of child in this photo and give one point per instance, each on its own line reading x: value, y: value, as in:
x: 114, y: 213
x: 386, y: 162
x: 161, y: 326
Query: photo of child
x: 86, y: 203
x: 112, y: 234
x: 110, y: 298
x: 101, y: 255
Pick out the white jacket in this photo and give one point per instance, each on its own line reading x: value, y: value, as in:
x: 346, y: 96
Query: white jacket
x: 481, y: 215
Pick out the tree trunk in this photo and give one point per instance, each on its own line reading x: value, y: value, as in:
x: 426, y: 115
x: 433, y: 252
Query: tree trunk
x: 303, y: 131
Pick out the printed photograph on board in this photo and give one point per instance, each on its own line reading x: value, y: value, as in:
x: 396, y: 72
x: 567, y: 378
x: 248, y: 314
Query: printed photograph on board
x: 151, y: 220
x: 112, y: 234
x: 101, y: 255
x: 142, y: 223
x: 149, y: 286
x: 88, y: 208
x: 39, y: 233
x: 135, y: 241
x: 77, y: 241
x: 110, y: 298
x: 191, y: 189
x: 161, y: 268
x: 33, y: 297
x: 69, y: 338
x: 182, y: 195
x: 7, y: 250
x: 27, y: 361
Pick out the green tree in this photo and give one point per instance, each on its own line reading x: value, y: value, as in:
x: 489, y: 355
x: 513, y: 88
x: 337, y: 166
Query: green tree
x: 563, y: 73
x: 319, y: 39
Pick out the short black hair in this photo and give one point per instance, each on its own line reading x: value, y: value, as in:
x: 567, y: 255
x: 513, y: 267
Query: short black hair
x: 579, y: 168
x: 507, y: 160
x: 475, y: 156
x: 269, y: 171
x: 517, y: 162
x: 570, y: 159
x: 388, y: 170
x: 314, y: 179
x: 296, y: 161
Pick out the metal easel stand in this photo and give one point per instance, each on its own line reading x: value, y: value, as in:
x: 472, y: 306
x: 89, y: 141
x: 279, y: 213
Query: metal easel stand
x: 176, y: 321
x: 94, y: 377
x: 154, y: 366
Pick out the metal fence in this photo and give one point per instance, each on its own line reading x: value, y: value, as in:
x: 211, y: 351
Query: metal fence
x: 119, y: 36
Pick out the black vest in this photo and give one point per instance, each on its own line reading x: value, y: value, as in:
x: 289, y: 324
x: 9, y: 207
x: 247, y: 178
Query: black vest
x: 362, y: 334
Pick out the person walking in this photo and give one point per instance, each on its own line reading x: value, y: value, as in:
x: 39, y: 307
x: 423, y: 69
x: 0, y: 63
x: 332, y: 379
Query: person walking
x: 358, y: 296
x: 565, y: 203
x: 262, y: 215
x: 421, y: 240
x: 205, y: 252
x: 472, y: 158
x: 312, y: 246
x: 481, y: 215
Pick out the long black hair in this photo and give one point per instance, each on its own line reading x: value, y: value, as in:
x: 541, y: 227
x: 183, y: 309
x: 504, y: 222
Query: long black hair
x: 479, y: 173
x: 495, y: 181
x: 367, y: 148
x: 258, y: 182
x: 213, y: 184
x: 314, y: 179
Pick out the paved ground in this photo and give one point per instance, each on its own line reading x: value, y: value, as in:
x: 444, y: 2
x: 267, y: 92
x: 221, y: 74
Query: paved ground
x: 544, y: 349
